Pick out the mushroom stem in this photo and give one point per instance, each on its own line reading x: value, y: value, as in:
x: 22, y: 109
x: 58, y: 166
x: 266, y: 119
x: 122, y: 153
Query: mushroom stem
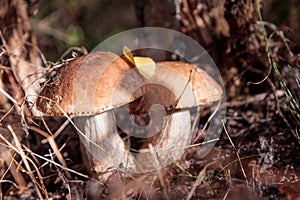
x: 105, y: 147
x: 176, y: 137
x: 170, y: 145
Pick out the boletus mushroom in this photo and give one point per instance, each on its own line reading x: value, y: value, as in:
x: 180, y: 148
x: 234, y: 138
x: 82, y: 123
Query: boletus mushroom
x: 101, y: 89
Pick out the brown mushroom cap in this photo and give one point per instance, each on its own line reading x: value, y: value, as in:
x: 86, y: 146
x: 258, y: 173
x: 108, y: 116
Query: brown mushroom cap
x: 87, y: 85
x: 177, y: 85
x: 205, y: 88
x: 84, y: 85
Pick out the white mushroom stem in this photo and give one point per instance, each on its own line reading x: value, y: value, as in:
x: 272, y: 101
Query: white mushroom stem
x: 103, y: 143
x: 171, y: 145
x: 107, y: 149
x: 176, y: 137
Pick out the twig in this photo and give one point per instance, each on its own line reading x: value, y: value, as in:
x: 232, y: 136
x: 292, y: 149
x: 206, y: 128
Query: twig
x: 23, y: 156
x: 42, y: 56
x: 71, y: 49
x: 56, y: 164
x: 157, y: 165
x: 295, y: 134
x: 279, y: 33
x: 3, y: 40
x: 18, y: 177
x: 199, y: 179
x: 54, y: 147
x: 230, y: 183
x: 8, y: 96
x: 202, y: 143
x: 253, y: 99
x: 236, y: 152
x: 267, y: 47
x: 208, y: 121
x: 61, y: 128
x: 7, y: 113
x: 4, y: 67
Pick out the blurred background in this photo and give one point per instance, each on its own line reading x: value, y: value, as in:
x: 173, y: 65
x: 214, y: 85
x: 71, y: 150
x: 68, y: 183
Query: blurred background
x: 60, y: 24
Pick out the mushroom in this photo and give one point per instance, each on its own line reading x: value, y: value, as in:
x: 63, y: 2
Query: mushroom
x: 99, y: 90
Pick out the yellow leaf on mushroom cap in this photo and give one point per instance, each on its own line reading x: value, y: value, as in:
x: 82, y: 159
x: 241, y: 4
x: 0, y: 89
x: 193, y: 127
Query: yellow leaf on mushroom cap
x: 128, y: 55
x: 145, y: 65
